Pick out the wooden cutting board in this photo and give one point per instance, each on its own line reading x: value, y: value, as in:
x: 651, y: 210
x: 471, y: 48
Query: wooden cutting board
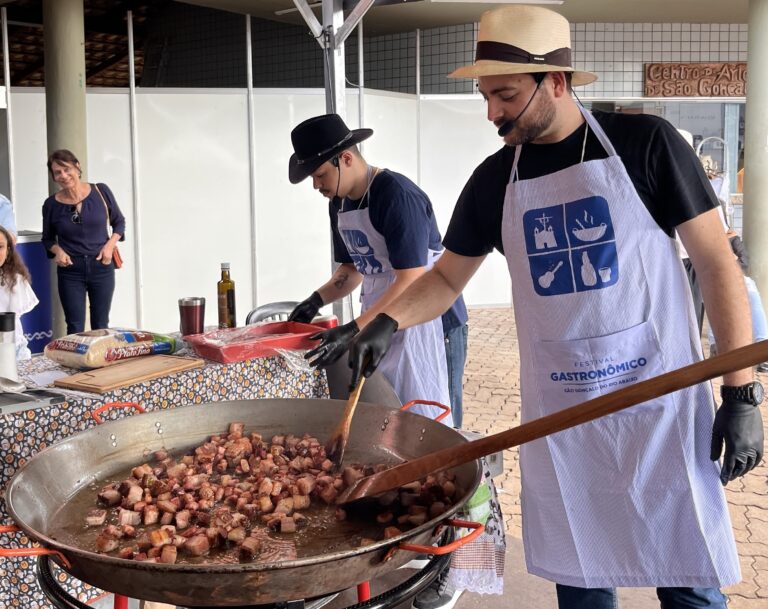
x: 126, y: 373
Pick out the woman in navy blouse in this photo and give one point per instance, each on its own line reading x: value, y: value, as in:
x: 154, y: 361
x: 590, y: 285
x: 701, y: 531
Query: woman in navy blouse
x: 75, y: 235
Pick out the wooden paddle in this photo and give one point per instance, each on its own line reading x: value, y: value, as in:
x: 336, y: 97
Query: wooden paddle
x: 406, y: 472
x: 334, y: 448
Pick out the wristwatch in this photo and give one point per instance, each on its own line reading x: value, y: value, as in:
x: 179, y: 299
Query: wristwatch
x: 751, y: 393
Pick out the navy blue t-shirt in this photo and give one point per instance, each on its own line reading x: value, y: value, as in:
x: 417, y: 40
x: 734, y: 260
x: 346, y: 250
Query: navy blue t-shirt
x: 403, y: 214
x: 87, y: 237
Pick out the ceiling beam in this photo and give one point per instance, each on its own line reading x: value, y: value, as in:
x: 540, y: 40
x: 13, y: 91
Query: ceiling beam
x: 31, y: 70
x: 350, y: 23
x: 309, y: 17
x: 105, y: 65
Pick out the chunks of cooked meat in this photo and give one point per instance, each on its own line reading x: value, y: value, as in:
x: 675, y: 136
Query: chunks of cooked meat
x: 240, y: 494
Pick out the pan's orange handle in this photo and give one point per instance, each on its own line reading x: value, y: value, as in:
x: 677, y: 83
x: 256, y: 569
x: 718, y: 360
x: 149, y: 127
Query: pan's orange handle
x: 428, y: 403
x: 29, y: 551
x: 95, y: 414
x: 451, y: 547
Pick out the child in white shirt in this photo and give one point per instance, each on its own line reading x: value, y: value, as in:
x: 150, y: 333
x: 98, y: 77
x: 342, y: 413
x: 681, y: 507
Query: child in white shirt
x: 15, y: 292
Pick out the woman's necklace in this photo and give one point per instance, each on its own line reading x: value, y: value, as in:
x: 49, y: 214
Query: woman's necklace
x: 73, y: 199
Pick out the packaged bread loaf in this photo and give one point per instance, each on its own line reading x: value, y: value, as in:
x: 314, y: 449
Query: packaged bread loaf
x: 99, y: 348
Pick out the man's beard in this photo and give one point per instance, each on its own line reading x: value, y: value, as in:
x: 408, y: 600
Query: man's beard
x: 533, y: 125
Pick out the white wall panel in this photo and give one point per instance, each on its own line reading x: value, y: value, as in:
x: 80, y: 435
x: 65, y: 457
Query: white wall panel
x: 293, y: 232
x: 109, y: 162
x: 455, y: 138
x: 294, y: 238
x: 195, y: 190
x: 194, y: 199
x: 30, y: 152
x: 393, y: 118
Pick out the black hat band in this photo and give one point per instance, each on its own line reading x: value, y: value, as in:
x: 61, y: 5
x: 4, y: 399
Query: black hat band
x: 500, y: 51
x: 325, y: 151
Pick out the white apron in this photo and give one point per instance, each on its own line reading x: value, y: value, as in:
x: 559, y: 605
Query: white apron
x: 602, y: 301
x: 415, y: 363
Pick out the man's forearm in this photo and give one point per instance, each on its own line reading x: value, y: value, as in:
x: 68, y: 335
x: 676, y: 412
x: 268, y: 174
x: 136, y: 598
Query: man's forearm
x: 727, y: 307
x: 342, y: 283
x: 432, y: 293
x: 722, y: 286
x: 403, y: 280
x: 426, y: 298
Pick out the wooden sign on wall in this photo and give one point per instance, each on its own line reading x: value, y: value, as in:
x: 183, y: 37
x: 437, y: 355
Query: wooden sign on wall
x: 695, y: 80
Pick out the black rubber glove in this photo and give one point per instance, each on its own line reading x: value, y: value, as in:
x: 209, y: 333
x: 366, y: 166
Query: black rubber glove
x: 333, y: 344
x: 370, y: 347
x: 740, y: 426
x: 305, y: 311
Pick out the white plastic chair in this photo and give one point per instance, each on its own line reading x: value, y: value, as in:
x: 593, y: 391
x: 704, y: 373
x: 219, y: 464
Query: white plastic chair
x: 272, y: 311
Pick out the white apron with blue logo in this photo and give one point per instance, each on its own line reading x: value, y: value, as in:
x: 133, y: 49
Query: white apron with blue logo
x: 415, y: 363
x: 602, y: 301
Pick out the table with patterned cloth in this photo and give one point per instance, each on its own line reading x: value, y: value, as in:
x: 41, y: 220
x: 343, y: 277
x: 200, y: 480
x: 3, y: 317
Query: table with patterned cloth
x: 25, y: 433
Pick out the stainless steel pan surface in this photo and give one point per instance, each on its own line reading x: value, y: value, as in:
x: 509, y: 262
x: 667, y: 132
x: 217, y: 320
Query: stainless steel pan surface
x: 47, y: 484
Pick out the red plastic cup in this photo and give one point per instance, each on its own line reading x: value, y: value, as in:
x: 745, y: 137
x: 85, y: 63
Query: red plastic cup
x: 192, y: 314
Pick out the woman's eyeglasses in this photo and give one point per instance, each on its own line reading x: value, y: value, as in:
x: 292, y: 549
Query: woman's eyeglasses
x: 76, y: 219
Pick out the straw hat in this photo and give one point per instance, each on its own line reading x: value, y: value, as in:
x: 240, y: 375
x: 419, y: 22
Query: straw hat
x: 523, y: 40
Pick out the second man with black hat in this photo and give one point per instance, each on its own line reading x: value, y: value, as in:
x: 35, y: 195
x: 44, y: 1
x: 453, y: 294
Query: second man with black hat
x: 384, y: 236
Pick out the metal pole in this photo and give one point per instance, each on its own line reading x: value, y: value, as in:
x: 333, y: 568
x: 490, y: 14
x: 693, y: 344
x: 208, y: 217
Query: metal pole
x: 335, y: 101
x: 139, y: 279
x: 356, y: 15
x: 8, y: 121
x: 360, y: 80
x: 314, y: 25
x: 335, y: 82
x: 731, y: 154
x: 252, y: 164
x: 418, y: 106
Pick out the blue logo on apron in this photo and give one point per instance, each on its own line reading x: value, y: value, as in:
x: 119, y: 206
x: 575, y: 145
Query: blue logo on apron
x: 571, y: 247
x: 360, y: 250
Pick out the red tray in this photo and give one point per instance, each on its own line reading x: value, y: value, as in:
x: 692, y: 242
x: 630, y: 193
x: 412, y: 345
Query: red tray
x: 227, y: 345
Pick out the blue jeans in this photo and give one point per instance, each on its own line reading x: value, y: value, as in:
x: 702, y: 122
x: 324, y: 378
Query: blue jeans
x: 86, y: 276
x: 569, y: 597
x: 455, y: 357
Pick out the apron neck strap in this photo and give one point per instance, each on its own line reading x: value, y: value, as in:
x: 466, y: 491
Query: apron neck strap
x: 591, y: 123
x: 513, y: 176
x: 598, y: 131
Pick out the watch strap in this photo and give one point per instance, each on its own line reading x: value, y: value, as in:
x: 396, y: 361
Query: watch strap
x: 741, y: 393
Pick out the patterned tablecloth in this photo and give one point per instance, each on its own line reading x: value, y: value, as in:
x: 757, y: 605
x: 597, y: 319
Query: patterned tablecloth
x: 23, y: 434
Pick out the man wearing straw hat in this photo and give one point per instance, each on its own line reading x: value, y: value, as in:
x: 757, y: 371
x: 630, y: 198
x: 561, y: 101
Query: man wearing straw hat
x: 584, y: 206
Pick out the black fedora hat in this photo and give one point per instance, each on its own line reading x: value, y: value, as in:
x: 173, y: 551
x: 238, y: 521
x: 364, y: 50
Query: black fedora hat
x: 318, y: 139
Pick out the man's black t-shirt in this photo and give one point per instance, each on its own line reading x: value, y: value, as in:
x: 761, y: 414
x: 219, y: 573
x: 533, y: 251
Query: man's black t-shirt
x: 662, y: 166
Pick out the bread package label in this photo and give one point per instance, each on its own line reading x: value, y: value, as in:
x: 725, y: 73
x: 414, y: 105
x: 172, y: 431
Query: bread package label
x: 99, y: 348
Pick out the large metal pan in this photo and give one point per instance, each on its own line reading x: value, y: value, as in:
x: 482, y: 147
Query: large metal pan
x: 49, y: 480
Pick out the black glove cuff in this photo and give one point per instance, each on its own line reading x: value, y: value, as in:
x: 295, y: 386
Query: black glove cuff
x: 737, y: 407
x: 316, y: 299
x: 385, y: 320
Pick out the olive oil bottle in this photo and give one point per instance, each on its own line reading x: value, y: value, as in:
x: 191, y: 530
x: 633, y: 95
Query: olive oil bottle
x: 226, y: 291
